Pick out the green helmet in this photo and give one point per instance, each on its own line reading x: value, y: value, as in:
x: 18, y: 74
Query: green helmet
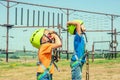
x: 71, y: 28
x: 36, y: 37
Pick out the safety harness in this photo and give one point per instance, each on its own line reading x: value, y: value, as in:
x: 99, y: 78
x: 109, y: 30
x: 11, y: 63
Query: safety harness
x: 78, y: 61
x: 46, y: 70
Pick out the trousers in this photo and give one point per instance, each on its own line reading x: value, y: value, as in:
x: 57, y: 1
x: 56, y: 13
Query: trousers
x: 76, y: 71
x: 45, y: 77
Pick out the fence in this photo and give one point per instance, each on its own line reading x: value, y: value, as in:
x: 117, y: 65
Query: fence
x: 28, y: 16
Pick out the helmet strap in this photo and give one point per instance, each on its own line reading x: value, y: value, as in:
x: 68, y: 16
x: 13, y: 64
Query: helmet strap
x: 49, y: 40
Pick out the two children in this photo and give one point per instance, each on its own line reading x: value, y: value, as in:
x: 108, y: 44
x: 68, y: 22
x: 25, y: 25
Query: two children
x: 47, y: 40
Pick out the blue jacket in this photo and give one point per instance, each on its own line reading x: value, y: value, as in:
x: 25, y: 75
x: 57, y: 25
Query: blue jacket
x: 79, y: 48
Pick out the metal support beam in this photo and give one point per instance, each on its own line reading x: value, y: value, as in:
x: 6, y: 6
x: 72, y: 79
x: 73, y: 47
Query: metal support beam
x: 7, y: 33
x: 67, y: 36
x: 87, y: 65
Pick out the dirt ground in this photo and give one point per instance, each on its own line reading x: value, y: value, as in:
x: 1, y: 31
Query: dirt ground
x: 104, y: 71
x: 96, y: 72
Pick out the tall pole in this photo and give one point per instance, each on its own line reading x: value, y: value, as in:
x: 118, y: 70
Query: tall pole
x: 93, y: 52
x: 112, y: 32
x: 7, y: 33
x: 115, y: 33
x: 67, y: 36
x: 87, y: 65
x: 59, y: 27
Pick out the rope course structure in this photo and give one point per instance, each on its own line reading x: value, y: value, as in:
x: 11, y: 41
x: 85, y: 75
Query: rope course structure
x: 112, y: 46
x: 55, y: 17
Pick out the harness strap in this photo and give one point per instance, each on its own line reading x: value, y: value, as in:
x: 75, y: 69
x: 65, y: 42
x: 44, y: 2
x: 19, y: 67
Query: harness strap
x: 76, y: 57
x: 78, y: 61
x: 43, y: 74
x: 56, y: 67
x: 43, y: 67
x: 46, y: 70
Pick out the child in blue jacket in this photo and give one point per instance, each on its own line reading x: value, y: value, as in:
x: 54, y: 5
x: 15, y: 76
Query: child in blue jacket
x: 76, y: 28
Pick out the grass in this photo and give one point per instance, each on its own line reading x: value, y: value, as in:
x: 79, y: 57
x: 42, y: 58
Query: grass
x: 100, y: 69
x: 102, y: 61
x: 10, y: 65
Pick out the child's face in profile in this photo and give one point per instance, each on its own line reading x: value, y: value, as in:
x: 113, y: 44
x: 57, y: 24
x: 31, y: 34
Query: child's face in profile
x: 46, y: 36
x: 83, y: 28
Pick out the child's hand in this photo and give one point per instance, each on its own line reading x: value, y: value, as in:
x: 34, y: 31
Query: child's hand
x: 52, y: 36
x: 51, y: 31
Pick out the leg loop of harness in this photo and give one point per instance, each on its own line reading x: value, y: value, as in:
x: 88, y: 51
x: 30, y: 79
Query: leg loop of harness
x: 44, y: 76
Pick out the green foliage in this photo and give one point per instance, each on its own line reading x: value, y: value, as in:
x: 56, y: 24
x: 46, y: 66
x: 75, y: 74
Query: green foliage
x: 64, y: 56
x: 2, y: 55
x: 118, y: 55
x: 14, y: 57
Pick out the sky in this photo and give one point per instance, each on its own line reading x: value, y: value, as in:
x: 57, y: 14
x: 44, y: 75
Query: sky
x: 101, y: 6
x: 104, y: 6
